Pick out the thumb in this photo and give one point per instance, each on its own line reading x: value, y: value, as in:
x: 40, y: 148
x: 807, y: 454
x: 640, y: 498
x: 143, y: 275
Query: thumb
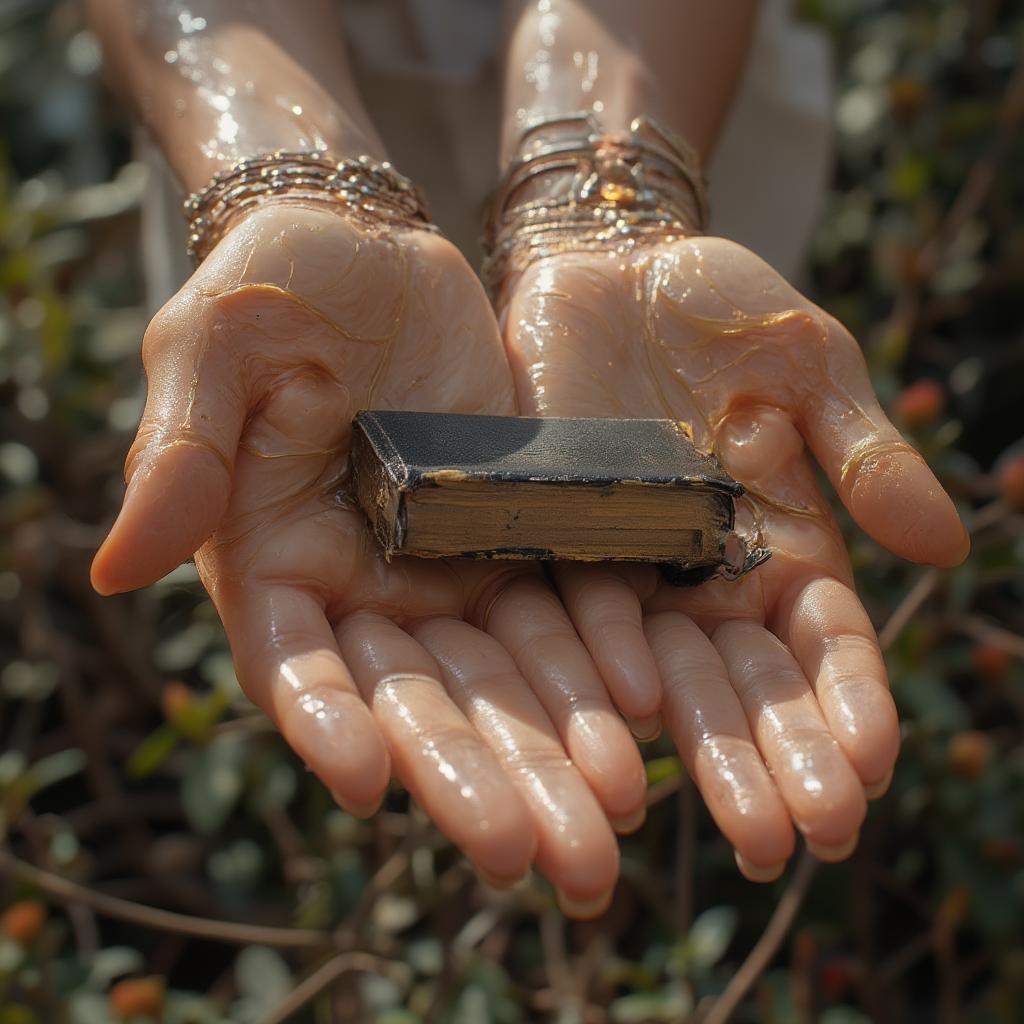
x: 881, y: 479
x: 179, y: 468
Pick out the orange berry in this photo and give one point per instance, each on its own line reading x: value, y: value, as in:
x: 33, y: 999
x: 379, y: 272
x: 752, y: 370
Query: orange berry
x: 175, y: 697
x: 920, y: 403
x: 838, y: 974
x: 1003, y: 850
x: 23, y: 921
x: 953, y: 909
x: 137, y: 997
x: 1011, y: 482
x: 970, y: 752
x: 906, y: 96
x: 990, y: 661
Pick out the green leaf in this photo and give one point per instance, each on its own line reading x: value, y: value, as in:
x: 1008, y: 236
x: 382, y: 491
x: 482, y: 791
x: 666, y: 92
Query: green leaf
x: 90, y: 1008
x: 213, y: 783
x: 262, y: 975
x: 16, y: 1013
x: 843, y: 1015
x: 197, y: 718
x: 151, y: 753
x: 111, y: 963
x: 931, y: 701
x: 379, y: 993
x: 661, y: 768
x: 709, y: 938
x: 274, y: 786
x: 397, y: 1016
x: 48, y: 771
x: 672, y: 1005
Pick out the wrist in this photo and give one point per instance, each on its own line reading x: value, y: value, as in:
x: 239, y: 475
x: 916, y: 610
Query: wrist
x: 250, y: 79
x: 209, y: 141
x: 371, y: 193
x: 574, y: 188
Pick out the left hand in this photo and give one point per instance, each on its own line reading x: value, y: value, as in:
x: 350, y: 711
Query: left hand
x: 775, y: 688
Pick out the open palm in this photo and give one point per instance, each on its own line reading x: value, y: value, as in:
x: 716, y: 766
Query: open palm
x: 466, y: 678
x: 775, y: 689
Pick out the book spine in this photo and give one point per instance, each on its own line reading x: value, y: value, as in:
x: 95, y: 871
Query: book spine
x: 376, y: 492
x: 376, y: 434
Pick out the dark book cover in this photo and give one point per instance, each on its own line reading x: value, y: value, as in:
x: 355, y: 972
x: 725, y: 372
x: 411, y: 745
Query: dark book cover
x: 454, y: 485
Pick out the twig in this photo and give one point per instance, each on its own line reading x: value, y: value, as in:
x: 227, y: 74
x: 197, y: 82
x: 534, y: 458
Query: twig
x: 767, y: 946
x: 325, y: 976
x: 477, y: 928
x: 686, y: 855
x: 889, y: 971
x: 62, y: 890
x: 664, y: 789
x: 972, y: 195
x: 982, y: 176
x: 929, y: 580
x: 556, y: 959
x: 908, y: 607
x: 988, y: 632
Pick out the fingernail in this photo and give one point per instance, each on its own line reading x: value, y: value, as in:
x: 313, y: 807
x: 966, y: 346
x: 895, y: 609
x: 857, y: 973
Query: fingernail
x: 501, y: 884
x: 583, y: 910
x: 361, y: 811
x: 832, y: 854
x: 626, y: 824
x: 645, y: 729
x: 877, y: 789
x: 758, y: 872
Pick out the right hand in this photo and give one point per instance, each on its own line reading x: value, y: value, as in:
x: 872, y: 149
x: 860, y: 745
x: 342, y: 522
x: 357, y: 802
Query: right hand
x: 466, y: 678
x: 775, y: 687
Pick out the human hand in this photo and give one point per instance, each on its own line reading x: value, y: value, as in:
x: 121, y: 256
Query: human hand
x: 466, y: 678
x: 775, y: 689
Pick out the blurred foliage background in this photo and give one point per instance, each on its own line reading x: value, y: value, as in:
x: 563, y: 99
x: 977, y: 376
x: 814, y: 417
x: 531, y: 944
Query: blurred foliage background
x: 134, y: 776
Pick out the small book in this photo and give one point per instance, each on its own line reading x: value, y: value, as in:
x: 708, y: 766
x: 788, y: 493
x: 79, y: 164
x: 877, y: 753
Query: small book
x: 445, y: 485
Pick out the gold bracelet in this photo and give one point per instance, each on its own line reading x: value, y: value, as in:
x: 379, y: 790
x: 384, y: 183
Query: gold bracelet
x: 373, y: 191
x: 594, y: 191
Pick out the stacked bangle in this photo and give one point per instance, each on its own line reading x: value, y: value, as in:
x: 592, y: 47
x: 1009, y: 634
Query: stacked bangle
x: 373, y: 191
x: 576, y: 188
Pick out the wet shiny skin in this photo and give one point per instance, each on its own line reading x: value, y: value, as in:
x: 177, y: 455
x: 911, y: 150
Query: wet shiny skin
x: 774, y: 688
x: 467, y: 679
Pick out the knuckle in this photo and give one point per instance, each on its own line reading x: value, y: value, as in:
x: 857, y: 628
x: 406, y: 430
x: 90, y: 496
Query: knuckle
x: 546, y: 647
x: 459, y: 742
x: 538, y: 760
x: 605, y: 595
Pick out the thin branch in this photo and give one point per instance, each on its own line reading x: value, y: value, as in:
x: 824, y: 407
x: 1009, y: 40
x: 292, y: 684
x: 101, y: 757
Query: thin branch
x: 909, y: 607
x: 556, y: 959
x: 767, y: 946
x: 923, y: 589
x: 62, y: 890
x: 666, y: 788
x: 325, y: 976
x: 982, y: 175
x: 988, y: 632
x: 686, y: 856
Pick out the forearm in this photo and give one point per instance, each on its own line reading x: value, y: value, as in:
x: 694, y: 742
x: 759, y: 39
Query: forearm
x: 232, y: 78
x: 678, y: 61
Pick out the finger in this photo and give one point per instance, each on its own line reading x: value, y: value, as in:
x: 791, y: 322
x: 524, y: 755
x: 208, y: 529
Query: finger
x: 605, y: 609
x: 436, y: 753
x: 529, y: 621
x: 830, y: 635
x: 179, y: 468
x: 708, y: 726
x: 886, y: 485
x: 822, y: 791
x: 576, y: 848
x: 288, y: 663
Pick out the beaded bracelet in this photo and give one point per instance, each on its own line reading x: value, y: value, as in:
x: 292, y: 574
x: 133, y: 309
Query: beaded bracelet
x: 372, y: 190
x: 594, y: 191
